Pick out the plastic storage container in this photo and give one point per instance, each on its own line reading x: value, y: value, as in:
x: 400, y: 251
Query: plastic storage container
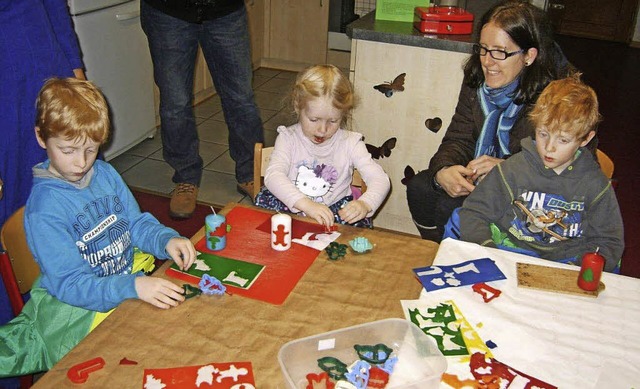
x: 420, y: 363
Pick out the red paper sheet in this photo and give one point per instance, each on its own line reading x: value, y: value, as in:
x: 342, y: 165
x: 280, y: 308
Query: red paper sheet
x: 249, y: 241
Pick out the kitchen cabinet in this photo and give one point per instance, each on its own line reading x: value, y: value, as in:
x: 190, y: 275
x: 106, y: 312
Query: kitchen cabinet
x: 611, y: 20
x: 297, y: 33
x: 432, y: 83
x: 256, y: 16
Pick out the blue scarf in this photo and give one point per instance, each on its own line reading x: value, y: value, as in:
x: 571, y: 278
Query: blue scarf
x: 500, y: 112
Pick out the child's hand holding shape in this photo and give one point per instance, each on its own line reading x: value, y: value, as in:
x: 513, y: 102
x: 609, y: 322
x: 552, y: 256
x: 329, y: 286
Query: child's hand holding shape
x: 354, y: 211
x: 159, y: 292
x: 320, y: 212
x: 182, y: 252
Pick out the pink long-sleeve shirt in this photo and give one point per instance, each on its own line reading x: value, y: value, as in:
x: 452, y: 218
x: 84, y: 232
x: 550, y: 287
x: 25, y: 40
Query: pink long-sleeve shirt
x: 295, y: 169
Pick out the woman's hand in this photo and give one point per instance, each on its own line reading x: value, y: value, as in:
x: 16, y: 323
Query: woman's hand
x: 320, y: 212
x: 456, y: 180
x: 159, y: 292
x: 354, y: 211
x: 481, y: 166
x: 182, y: 252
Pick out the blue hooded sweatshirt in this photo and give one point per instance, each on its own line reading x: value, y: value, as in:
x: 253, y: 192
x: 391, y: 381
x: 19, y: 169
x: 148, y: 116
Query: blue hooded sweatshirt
x: 82, y: 236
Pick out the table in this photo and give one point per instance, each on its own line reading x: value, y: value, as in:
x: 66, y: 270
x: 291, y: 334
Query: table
x: 331, y: 295
x: 565, y: 340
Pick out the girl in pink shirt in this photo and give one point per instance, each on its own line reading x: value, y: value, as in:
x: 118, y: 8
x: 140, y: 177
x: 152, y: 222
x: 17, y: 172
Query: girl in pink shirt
x: 312, y: 163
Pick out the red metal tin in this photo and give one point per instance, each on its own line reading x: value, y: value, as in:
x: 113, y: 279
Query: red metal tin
x: 443, y: 20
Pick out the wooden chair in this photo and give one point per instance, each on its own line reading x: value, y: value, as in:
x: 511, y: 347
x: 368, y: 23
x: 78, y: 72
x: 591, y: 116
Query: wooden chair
x: 17, y: 267
x: 606, y: 164
x: 261, y: 158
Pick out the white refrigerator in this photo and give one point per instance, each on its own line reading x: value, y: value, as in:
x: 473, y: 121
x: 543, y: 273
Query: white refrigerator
x: 116, y: 58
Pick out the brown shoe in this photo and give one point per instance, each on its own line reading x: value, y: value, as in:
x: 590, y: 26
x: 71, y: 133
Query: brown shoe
x: 246, y: 188
x: 183, y: 201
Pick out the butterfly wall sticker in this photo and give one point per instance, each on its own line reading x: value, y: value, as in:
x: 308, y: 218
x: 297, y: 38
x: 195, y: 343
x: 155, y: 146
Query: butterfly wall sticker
x: 408, y: 175
x: 387, y: 88
x: 382, y: 151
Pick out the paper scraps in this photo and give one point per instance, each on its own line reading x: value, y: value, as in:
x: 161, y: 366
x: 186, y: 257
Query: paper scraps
x: 489, y: 373
x: 318, y: 241
x: 490, y: 370
x: 447, y: 325
x: 234, y: 375
x: 465, y: 273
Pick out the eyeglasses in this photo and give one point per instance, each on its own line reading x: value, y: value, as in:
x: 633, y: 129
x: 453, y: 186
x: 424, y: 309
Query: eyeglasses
x: 500, y: 55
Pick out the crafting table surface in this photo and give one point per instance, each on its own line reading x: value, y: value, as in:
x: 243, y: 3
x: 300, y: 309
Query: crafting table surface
x: 567, y: 340
x: 331, y: 295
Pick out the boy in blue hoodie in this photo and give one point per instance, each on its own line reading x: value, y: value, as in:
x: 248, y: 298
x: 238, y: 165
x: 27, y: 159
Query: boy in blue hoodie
x: 84, y: 229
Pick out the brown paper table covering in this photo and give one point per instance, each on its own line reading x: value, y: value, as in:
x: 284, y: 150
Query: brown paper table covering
x: 331, y: 295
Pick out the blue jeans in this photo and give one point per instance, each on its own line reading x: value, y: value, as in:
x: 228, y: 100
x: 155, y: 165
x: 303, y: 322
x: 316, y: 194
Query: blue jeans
x: 226, y: 46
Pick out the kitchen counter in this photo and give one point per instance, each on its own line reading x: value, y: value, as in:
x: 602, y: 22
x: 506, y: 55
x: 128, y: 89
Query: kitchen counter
x: 402, y: 33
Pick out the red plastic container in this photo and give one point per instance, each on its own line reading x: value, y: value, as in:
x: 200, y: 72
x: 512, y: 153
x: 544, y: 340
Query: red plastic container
x: 443, y: 20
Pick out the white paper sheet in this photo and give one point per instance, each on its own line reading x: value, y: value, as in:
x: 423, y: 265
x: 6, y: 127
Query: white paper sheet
x: 565, y: 340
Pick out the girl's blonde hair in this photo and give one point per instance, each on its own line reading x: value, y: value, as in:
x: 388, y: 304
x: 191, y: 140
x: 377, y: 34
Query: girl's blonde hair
x: 324, y: 81
x: 72, y: 109
x: 567, y: 105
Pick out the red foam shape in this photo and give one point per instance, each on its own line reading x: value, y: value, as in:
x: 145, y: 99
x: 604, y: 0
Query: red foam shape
x: 80, y: 373
x: 487, y: 292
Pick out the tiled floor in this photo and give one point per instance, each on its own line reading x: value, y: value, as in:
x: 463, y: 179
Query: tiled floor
x: 143, y: 166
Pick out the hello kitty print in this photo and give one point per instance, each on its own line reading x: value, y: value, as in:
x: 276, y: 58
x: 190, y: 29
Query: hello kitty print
x: 316, y: 182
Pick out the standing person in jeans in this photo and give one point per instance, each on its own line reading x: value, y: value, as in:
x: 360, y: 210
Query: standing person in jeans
x: 174, y: 29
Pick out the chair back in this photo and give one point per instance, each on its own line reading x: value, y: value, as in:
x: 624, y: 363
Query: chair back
x: 606, y: 164
x: 14, y: 241
x: 261, y: 158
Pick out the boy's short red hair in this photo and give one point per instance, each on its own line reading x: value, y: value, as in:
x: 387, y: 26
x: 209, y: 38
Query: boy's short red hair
x: 567, y: 105
x: 71, y: 108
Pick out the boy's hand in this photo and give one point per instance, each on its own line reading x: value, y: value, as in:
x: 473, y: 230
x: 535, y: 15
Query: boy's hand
x: 354, y: 211
x: 159, y: 292
x: 320, y: 212
x: 182, y: 252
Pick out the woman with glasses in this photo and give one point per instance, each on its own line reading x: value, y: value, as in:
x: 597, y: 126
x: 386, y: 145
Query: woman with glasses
x: 515, y: 58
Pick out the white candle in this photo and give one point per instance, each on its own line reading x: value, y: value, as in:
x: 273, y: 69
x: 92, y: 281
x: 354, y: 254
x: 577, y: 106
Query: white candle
x: 281, y: 232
